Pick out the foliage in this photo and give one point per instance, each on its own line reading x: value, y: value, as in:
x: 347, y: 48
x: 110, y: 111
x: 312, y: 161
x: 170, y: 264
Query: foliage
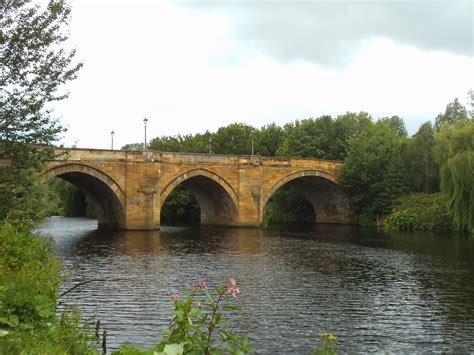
x: 455, y: 112
x: 329, y: 345
x: 454, y: 151
x: 373, y: 172
x: 310, y: 138
x: 133, y: 147
x: 349, y: 126
x: 420, y: 212
x: 69, y: 201
x: 235, y: 138
x: 197, y: 324
x: 33, y: 67
x: 421, y: 166
x: 288, y: 205
x: 268, y: 139
x: 180, y: 207
x: 29, y: 284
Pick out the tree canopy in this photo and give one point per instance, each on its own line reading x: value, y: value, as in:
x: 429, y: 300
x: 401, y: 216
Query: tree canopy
x: 34, y: 65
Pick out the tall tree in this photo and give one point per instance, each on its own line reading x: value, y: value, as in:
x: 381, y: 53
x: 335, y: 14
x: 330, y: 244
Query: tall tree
x: 33, y: 68
x: 454, y: 151
x: 396, y: 124
x: 373, y: 172
x: 235, y: 138
x: 268, y: 139
x: 454, y: 112
x: 349, y: 126
x: 310, y: 138
x: 422, y: 168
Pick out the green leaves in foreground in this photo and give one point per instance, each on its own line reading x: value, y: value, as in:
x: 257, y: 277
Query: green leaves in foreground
x: 197, y: 323
x: 29, y: 281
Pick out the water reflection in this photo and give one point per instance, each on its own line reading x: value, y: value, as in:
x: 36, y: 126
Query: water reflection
x: 400, y: 292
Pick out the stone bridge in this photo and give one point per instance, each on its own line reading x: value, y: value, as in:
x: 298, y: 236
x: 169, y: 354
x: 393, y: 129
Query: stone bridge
x: 130, y: 187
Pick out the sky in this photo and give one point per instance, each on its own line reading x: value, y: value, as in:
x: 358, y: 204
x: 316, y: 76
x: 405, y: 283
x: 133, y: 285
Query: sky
x: 197, y: 65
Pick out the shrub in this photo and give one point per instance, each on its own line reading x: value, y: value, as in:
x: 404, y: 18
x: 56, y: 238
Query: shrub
x: 420, y: 212
x: 29, y: 281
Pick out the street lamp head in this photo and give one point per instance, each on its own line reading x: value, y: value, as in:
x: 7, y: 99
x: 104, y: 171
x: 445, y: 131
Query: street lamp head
x: 112, y: 133
x: 145, y: 120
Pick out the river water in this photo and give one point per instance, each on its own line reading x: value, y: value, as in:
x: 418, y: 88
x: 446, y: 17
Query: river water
x: 376, y: 291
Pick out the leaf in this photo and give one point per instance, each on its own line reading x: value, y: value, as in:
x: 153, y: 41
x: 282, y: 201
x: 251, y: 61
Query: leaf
x: 12, y: 321
x: 232, y: 308
x: 3, y: 332
x: 173, y: 349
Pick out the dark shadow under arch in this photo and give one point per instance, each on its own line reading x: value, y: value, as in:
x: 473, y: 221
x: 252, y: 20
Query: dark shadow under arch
x: 330, y: 203
x: 216, y: 199
x: 107, y: 195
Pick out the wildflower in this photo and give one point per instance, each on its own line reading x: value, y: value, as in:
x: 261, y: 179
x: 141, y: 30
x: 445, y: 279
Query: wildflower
x: 232, y: 281
x: 201, y: 285
x: 233, y: 289
x: 175, y: 297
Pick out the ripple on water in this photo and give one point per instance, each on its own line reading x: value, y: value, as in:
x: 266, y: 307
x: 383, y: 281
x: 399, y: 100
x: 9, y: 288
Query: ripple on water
x: 376, y: 292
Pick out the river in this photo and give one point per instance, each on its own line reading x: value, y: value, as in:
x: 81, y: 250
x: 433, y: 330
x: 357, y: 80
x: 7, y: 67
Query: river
x: 374, y: 290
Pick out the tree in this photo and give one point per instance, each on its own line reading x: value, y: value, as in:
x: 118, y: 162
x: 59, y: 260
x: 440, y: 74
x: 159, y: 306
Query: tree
x: 454, y: 112
x: 268, y: 139
x: 133, y: 147
x: 235, y: 138
x: 454, y: 151
x: 33, y: 68
x: 349, y: 125
x: 422, y: 168
x: 310, y: 138
x: 396, y: 124
x: 373, y: 172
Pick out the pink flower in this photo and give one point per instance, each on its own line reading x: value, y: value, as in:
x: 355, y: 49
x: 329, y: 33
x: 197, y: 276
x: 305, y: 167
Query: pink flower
x: 233, y: 289
x: 202, y: 285
x: 175, y: 297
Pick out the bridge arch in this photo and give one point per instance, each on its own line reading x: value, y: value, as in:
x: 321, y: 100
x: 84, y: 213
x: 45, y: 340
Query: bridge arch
x: 216, y: 197
x: 108, y: 195
x: 330, y: 203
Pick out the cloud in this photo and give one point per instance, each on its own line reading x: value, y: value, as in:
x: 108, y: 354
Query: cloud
x: 331, y: 33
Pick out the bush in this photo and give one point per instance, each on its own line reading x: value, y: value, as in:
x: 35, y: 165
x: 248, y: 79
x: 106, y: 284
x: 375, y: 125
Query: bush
x: 420, y: 212
x: 29, y: 282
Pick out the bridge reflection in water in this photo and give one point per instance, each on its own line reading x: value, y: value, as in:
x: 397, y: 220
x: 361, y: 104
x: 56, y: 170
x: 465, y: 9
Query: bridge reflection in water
x: 131, y: 187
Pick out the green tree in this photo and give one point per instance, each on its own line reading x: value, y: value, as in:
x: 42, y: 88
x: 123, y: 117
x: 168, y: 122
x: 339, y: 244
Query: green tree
x: 133, y: 147
x: 454, y: 112
x: 396, y: 124
x: 235, y: 138
x: 422, y: 168
x: 310, y: 138
x: 268, y: 139
x: 373, y: 172
x: 33, y: 67
x: 454, y: 152
x: 349, y: 126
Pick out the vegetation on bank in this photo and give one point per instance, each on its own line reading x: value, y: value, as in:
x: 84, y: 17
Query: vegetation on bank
x: 420, y: 211
x: 29, y: 283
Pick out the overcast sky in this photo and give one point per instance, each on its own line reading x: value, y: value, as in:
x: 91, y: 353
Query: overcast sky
x: 194, y: 65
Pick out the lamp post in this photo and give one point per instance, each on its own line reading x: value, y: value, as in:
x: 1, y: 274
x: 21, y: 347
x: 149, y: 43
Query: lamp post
x: 145, y: 121
x: 112, y: 142
x: 210, y: 145
x: 251, y: 135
